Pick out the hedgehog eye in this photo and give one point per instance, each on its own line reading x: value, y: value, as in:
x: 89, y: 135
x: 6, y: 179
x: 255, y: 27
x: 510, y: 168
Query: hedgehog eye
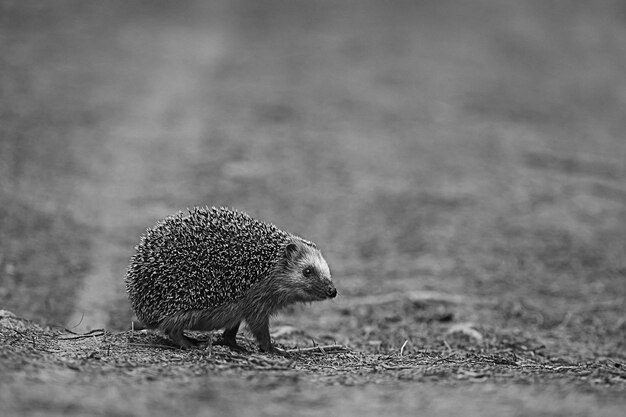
x: 307, y: 272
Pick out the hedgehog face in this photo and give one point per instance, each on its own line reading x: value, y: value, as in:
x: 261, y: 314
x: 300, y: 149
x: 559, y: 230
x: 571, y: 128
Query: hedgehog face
x: 309, y: 273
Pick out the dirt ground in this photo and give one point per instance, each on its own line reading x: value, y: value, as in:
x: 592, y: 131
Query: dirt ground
x: 462, y: 165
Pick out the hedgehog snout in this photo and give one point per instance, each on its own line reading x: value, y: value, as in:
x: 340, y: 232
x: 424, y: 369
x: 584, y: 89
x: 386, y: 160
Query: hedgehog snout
x: 331, y: 291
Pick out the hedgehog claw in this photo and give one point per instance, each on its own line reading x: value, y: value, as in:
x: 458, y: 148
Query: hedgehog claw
x: 280, y: 352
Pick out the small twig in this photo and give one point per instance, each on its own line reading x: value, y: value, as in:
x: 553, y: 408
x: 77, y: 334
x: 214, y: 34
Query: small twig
x: 403, y: 346
x: 320, y: 348
x: 84, y: 334
x: 396, y: 368
x: 76, y: 336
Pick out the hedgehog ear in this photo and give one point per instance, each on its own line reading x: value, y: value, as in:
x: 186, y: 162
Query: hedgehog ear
x: 290, y: 250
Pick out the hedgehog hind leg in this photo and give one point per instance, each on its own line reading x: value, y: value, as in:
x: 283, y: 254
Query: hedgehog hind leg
x: 175, y: 325
x: 228, y: 317
x: 178, y: 337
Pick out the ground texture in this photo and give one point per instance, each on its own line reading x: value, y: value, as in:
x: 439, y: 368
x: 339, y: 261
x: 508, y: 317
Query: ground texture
x: 461, y: 166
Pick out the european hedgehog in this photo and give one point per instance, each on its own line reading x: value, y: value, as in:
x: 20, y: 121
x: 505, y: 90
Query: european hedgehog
x: 212, y: 268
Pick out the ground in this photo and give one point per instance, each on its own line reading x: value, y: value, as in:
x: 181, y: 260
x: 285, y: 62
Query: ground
x: 461, y: 166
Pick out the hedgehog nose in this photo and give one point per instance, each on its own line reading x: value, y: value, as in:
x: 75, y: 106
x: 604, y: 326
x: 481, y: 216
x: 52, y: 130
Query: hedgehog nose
x: 331, y: 291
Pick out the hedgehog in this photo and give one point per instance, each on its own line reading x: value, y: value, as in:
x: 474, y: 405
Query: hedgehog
x: 212, y: 268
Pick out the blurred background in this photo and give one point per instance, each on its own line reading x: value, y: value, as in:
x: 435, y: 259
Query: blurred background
x: 473, y: 148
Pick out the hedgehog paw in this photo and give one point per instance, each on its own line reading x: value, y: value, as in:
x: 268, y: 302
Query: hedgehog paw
x: 231, y: 344
x: 185, y: 342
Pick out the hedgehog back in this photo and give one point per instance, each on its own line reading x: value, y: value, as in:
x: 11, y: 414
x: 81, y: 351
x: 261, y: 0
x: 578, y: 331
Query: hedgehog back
x: 204, y: 259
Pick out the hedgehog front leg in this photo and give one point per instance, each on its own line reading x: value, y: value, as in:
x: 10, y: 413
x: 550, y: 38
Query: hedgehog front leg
x: 260, y: 327
x: 229, y: 338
